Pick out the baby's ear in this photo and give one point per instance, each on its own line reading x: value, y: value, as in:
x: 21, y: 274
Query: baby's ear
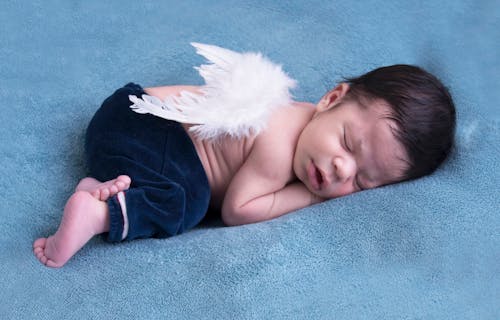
x: 332, y: 97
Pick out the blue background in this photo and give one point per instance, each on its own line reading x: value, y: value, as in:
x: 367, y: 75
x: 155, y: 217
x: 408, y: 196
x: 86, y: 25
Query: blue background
x: 427, y: 249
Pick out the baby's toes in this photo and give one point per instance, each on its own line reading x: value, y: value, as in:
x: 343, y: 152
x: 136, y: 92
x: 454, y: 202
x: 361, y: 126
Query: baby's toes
x: 39, y: 253
x: 125, y: 180
x: 96, y: 194
x: 113, y: 190
x: 104, y: 194
x: 39, y: 250
x: 42, y: 258
x: 52, y: 264
x: 119, y: 184
x: 39, y: 244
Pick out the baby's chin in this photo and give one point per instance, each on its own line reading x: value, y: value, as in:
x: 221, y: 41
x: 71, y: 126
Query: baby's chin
x: 318, y: 193
x: 328, y: 194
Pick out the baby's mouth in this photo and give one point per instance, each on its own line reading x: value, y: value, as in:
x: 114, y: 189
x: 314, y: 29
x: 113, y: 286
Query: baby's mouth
x: 319, y: 176
x: 315, y: 176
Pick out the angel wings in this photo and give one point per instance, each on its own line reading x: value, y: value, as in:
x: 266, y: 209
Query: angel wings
x: 241, y: 91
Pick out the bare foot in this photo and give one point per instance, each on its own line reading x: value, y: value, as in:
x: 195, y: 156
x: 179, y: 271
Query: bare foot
x: 104, y: 190
x: 84, y: 217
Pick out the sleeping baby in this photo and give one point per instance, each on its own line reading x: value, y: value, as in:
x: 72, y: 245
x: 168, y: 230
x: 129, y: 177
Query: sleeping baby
x: 154, y: 171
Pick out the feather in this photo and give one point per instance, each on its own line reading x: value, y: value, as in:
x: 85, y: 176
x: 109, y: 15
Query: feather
x: 241, y: 91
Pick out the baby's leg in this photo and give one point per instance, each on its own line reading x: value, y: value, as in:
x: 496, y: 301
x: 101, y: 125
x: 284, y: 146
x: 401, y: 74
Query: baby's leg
x: 104, y: 190
x: 84, y: 217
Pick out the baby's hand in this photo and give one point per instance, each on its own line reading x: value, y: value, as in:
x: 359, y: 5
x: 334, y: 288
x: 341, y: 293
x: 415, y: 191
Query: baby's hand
x: 316, y: 199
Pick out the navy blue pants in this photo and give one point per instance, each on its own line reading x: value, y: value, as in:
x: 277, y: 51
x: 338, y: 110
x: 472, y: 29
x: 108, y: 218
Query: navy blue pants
x: 169, y: 192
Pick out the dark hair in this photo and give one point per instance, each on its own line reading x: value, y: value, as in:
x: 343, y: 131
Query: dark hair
x: 422, y: 109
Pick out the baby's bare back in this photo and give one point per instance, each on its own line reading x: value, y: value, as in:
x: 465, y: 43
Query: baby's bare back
x: 221, y: 159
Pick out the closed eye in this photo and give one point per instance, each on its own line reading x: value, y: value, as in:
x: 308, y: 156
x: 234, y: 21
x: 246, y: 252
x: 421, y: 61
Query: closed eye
x: 356, y: 181
x: 345, y: 142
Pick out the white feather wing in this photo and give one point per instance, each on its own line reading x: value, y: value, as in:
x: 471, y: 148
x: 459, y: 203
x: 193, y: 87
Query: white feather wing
x: 241, y: 91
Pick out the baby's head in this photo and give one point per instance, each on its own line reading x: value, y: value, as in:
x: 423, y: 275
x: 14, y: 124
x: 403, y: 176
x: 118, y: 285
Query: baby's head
x: 422, y: 110
x: 389, y: 125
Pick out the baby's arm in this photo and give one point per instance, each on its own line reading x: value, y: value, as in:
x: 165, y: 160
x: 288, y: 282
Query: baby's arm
x: 260, y: 190
x: 270, y: 205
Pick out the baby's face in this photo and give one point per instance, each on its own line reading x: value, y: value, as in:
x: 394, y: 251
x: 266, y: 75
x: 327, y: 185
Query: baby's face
x: 346, y: 148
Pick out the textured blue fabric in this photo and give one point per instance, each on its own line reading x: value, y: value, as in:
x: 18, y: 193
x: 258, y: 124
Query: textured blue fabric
x: 169, y: 192
x: 426, y: 249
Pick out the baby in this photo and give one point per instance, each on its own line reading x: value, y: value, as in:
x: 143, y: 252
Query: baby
x: 151, y: 177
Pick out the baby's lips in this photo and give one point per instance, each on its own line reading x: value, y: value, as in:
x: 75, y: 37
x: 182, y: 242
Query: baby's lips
x: 313, y: 179
x: 326, y: 178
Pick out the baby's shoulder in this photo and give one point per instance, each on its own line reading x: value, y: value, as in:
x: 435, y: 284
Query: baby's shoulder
x: 274, y: 147
x: 286, y: 124
x: 294, y: 114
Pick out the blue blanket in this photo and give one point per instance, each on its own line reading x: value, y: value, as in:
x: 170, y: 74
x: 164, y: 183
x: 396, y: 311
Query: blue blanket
x: 426, y: 249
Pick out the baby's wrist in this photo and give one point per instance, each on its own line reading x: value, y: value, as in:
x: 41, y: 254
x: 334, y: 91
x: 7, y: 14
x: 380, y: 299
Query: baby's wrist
x: 315, y: 199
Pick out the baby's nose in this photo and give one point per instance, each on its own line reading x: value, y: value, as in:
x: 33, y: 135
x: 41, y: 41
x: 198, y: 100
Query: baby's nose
x: 344, y: 167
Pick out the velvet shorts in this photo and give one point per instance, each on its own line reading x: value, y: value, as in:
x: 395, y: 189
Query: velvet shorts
x: 169, y: 192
